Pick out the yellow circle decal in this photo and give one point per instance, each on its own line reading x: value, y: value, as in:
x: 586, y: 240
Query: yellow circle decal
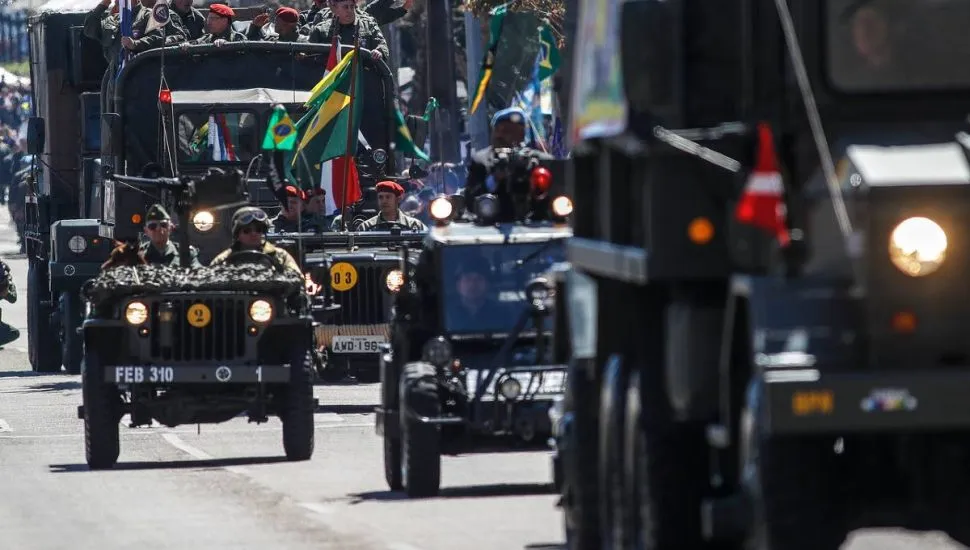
x: 343, y: 276
x: 199, y: 315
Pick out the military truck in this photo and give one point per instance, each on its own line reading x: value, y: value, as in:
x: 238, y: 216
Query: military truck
x: 63, y: 246
x: 763, y: 309
x: 233, y: 88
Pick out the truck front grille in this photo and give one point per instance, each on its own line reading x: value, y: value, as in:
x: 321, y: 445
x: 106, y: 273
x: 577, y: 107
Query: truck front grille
x: 176, y: 340
x: 365, y: 304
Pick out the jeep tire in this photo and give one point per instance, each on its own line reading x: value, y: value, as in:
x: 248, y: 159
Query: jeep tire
x: 43, y: 348
x: 420, y: 441
x: 102, y: 414
x: 298, y: 408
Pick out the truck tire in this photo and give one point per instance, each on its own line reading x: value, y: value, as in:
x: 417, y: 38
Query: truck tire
x: 796, y: 484
x: 613, y: 521
x: 298, y: 426
x: 666, y: 470
x: 420, y: 442
x: 42, y: 345
x: 392, y: 462
x: 102, y: 414
x: 579, y: 462
x: 72, y: 344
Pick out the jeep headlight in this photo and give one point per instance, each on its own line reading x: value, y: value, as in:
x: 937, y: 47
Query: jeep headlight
x: 203, y: 221
x: 437, y: 351
x: 261, y: 311
x: 394, y: 280
x: 441, y: 209
x: 562, y: 206
x: 136, y: 313
x: 917, y: 246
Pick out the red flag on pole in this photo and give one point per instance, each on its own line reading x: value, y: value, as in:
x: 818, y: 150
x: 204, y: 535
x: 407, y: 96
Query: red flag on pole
x: 762, y: 203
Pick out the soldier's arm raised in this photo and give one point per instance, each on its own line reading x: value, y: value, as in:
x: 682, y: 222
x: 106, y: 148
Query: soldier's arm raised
x: 92, y: 21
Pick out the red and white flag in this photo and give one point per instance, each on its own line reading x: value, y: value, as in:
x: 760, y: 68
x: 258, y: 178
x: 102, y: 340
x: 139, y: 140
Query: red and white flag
x: 762, y: 203
x: 332, y: 172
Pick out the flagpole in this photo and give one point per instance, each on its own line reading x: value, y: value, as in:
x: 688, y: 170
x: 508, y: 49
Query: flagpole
x: 351, y: 135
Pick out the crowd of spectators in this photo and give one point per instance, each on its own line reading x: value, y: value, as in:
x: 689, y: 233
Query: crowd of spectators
x: 14, y: 110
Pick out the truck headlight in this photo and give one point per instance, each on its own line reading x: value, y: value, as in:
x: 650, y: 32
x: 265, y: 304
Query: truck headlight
x: 562, y: 206
x: 437, y: 351
x: 136, y: 313
x: 261, y: 311
x: 441, y: 208
x: 77, y: 244
x: 394, y: 280
x: 203, y: 221
x: 917, y: 246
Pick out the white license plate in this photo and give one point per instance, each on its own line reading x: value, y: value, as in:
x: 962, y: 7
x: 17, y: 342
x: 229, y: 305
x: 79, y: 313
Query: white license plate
x: 356, y: 344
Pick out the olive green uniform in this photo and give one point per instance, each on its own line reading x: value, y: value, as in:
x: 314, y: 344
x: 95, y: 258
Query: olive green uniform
x: 169, y: 256
x: 144, y: 41
x: 371, y: 37
x: 229, y: 35
x: 104, y: 27
x: 413, y: 224
x: 281, y: 256
x: 193, y: 22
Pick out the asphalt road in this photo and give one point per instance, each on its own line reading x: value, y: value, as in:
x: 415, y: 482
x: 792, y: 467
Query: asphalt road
x: 226, y: 486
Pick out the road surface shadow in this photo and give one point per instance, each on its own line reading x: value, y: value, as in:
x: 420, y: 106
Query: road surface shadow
x: 52, y: 386
x: 173, y: 464
x: 468, y: 491
x: 346, y: 409
x: 25, y: 374
x: 545, y: 546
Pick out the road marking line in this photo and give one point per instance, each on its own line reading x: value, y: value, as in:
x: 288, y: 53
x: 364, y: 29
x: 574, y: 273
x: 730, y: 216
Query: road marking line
x: 401, y: 546
x: 4, y: 427
x: 322, y: 509
x: 177, y: 442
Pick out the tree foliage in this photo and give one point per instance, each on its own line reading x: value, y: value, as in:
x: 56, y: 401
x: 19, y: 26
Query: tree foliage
x: 552, y: 10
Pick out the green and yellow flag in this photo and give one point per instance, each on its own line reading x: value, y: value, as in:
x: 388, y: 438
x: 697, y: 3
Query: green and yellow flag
x: 403, y: 141
x: 494, y: 34
x: 281, y: 133
x: 549, y: 53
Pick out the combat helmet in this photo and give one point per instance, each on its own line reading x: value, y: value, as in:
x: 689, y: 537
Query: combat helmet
x: 249, y: 215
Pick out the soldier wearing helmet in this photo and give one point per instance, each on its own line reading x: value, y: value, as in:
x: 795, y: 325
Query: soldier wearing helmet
x: 249, y: 226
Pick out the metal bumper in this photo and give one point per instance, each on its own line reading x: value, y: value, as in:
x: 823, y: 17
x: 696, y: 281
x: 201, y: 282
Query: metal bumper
x: 807, y: 401
x: 191, y: 374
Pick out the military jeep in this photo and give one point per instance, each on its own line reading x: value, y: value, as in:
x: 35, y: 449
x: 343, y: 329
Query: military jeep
x: 197, y: 346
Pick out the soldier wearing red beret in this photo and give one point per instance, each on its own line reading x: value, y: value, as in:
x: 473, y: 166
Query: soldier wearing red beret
x: 389, y: 195
x: 285, y: 29
x: 291, y: 218
x: 218, y: 26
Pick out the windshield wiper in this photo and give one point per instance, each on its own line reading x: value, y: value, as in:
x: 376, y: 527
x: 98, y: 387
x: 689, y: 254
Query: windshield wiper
x: 534, y: 254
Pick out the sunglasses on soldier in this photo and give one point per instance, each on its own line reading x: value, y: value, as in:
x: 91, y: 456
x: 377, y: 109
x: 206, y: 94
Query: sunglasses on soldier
x: 252, y: 229
x: 152, y: 226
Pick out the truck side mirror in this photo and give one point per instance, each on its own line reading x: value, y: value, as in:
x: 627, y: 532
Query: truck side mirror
x: 111, y: 136
x: 36, y: 135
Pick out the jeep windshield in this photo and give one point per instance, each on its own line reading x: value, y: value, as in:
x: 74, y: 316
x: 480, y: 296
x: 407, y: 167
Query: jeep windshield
x: 897, y: 45
x: 484, y: 285
x: 207, y: 137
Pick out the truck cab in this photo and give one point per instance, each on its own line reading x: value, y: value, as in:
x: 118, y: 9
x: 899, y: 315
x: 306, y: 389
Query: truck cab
x: 744, y: 178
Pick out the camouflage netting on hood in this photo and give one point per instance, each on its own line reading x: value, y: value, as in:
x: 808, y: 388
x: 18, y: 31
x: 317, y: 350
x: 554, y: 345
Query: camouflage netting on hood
x: 122, y: 281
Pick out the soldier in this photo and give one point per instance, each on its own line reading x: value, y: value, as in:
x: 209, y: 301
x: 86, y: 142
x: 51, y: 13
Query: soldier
x: 104, y: 28
x: 142, y: 39
x: 192, y: 20
x: 383, y: 12
x: 290, y: 219
x: 159, y: 248
x: 286, y: 28
x: 314, y: 214
x: 346, y: 20
x: 249, y: 226
x: 218, y: 26
x: 508, y: 131
x: 389, y: 200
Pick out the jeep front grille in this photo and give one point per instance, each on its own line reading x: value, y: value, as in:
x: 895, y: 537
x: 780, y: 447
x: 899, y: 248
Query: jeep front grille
x: 365, y: 303
x: 223, y: 339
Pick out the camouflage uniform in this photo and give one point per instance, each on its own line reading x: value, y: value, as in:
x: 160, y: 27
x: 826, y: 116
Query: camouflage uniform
x: 104, y: 27
x: 413, y: 224
x: 193, y: 22
x: 170, y: 255
x: 371, y: 37
x: 381, y: 11
x: 295, y: 36
x: 11, y: 295
x: 229, y: 35
x: 281, y: 224
x: 281, y: 256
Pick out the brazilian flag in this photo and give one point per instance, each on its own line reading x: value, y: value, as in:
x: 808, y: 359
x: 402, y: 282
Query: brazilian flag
x: 403, y: 140
x: 281, y: 133
x: 549, y: 59
x: 495, y: 25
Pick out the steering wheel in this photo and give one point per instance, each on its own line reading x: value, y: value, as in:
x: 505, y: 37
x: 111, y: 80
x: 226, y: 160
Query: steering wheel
x: 252, y: 257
